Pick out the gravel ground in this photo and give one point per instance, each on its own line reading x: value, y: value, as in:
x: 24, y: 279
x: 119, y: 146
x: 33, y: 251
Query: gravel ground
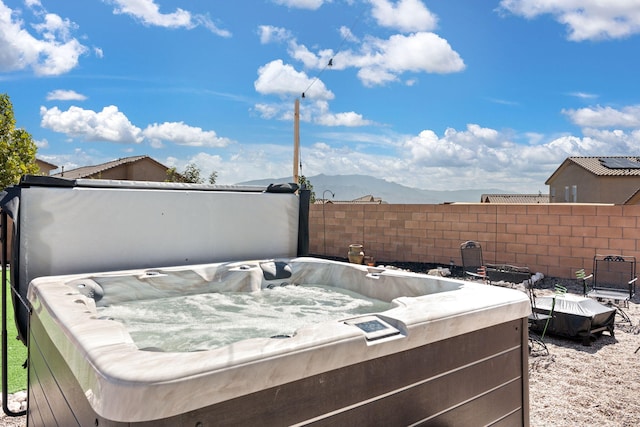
x: 596, y: 385
x: 17, y: 402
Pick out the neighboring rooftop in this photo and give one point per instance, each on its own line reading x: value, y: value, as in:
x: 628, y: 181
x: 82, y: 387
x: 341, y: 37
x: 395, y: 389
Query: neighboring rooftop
x: 514, y: 198
x: 364, y: 200
x: 89, y: 171
x: 604, y: 165
x: 140, y: 168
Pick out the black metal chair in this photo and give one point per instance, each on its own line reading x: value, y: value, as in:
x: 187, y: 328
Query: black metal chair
x: 613, y: 281
x: 472, y: 263
x: 537, y: 321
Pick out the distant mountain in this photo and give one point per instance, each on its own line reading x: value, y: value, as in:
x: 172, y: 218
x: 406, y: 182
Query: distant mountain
x: 350, y: 187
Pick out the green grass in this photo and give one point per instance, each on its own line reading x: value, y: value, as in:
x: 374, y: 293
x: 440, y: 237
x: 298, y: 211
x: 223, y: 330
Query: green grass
x: 16, y: 352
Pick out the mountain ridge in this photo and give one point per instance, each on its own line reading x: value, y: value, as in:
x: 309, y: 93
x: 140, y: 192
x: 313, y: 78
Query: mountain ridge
x: 351, y: 187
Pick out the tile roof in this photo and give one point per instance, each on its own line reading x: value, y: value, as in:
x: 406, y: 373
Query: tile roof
x: 364, y: 200
x: 87, y: 171
x: 514, y: 198
x: 596, y: 165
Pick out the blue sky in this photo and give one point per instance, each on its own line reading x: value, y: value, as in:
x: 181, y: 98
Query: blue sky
x: 439, y: 94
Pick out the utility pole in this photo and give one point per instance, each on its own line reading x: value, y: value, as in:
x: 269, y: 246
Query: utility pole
x: 296, y: 140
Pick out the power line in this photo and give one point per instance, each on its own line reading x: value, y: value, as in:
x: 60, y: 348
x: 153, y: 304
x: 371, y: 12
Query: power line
x: 330, y: 62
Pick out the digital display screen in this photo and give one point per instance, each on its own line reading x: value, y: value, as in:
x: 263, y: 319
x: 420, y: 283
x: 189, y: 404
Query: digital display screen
x: 371, y: 326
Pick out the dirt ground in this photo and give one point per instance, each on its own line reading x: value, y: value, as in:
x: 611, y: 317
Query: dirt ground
x: 596, y: 385
x: 572, y: 385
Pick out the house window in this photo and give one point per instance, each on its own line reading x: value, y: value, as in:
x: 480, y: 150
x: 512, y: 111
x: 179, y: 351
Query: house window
x: 574, y: 193
x: 566, y: 193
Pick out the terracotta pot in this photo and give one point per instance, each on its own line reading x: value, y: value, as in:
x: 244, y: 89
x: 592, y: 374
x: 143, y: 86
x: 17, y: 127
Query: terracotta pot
x: 356, y: 254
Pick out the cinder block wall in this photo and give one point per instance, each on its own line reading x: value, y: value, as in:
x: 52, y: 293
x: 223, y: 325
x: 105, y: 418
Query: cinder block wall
x: 554, y: 239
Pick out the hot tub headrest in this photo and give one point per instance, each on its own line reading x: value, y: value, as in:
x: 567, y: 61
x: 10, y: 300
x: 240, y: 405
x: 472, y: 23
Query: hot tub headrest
x: 275, y: 270
x: 282, y: 188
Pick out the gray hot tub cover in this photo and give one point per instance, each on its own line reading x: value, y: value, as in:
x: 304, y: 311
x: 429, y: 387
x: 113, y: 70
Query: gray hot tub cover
x: 575, y: 317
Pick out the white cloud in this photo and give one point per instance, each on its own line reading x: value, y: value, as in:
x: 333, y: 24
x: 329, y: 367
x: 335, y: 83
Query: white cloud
x: 55, y: 52
x: 428, y: 149
x: 41, y: 144
x: 182, y: 134
x: 474, y: 157
x: 311, y: 111
x: 385, y: 60
x: 404, y: 15
x: 302, y: 4
x: 426, y: 52
x: 65, y: 95
x: 270, y: 34
x: 310, y: 59
x: 614, y: 141
x: 380, y: 61
x: 112, y: 125
x: 377, y: 60
x: 583, y: 95
x: 503, y: 101
x: 278, y: 78
x: 347, y: 35
x: 265, y: 160
x: 585, y: 19
x: 148, y: 12
x: 482, y: 155
x: 107, y: 125
x: 349, y: 119
x: 267, y: 111
x: 598, y: 117
x: 458, y: 159
x: 320, y: 114
x: 205, y: 21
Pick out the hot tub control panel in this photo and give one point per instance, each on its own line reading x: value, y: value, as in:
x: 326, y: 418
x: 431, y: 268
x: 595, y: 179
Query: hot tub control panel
x: 374, y: 328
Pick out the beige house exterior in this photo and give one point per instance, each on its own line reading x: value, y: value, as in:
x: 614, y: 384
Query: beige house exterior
x: 137, y: 168
x: 45, y: 167
x: 596, y: 180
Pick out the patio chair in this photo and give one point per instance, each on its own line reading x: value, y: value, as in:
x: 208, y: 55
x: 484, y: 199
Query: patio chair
x: 472, y: 263
x: 613, y: 281
x: 537, y: 321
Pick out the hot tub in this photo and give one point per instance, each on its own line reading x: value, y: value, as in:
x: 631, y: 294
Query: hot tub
x: 387, y: 348
x: 419, y: 350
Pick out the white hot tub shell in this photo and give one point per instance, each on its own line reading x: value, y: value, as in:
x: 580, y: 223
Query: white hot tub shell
x: 408, y: 369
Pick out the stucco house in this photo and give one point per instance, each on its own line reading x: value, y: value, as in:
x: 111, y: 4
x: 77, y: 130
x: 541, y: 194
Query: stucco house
x: 136, y: 168
x: 45, y: 167
x: 596, y: 180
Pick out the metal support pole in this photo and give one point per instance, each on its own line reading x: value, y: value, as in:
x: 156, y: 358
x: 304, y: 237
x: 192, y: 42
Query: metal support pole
x: 5, y: 363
